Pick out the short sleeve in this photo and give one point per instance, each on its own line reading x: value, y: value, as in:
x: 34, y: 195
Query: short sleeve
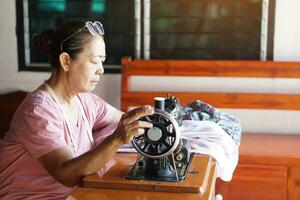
x: 104, y: 124
x: 41, y: 131
x: 104, y: 115
x: 101, y: 115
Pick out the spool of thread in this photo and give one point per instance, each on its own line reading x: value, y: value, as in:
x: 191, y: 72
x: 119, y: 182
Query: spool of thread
x: 159, y: 103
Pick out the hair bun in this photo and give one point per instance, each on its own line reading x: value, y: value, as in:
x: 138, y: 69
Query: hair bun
x: 43, y: 41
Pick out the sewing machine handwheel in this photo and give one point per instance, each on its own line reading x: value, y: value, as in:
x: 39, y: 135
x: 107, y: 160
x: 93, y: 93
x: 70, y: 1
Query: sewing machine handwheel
x: 161, y: 139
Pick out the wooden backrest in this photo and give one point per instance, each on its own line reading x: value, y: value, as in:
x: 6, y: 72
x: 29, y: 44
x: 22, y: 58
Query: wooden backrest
x: 211, y: 68
x: 9, y: 103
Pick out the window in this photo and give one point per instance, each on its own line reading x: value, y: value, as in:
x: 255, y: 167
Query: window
x: 207, y: 29
x: 35, y: 16
x: 155, y: 29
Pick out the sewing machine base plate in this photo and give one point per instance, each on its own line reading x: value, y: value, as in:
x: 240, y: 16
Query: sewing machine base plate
x: 195, y: 181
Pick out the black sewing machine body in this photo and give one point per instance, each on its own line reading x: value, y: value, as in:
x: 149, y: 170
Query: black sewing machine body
x: 163, y: 155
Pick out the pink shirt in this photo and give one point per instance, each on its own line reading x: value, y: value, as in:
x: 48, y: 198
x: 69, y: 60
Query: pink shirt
x: 39, y: 127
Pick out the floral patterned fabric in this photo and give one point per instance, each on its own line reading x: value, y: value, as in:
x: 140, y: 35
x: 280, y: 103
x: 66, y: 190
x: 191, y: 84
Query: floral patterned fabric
x: 199, y: 110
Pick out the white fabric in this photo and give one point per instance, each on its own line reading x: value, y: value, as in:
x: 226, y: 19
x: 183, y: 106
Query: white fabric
x: 208, y: 138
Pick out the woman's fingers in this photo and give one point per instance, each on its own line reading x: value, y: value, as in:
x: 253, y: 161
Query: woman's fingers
x: 136, y: 132
x: 137, y: 113
x: 140, y: 124
x: 138, y: 128
x: 131, y: 126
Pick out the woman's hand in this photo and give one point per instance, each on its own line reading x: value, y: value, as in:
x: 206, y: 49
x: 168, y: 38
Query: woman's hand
x: 130, y: 126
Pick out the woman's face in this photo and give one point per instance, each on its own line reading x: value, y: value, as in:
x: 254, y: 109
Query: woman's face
x: 86, y: 69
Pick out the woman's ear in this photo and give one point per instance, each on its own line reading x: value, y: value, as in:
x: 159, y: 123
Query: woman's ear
x: 65, y: 61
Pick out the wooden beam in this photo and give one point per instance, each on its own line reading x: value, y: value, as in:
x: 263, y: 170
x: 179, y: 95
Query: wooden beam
x: 216, y: 68
x: 219, y: 100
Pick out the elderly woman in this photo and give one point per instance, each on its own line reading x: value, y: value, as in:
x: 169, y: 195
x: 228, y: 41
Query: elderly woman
x: 62, y: 132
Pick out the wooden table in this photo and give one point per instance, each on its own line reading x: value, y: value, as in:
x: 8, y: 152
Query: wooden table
x: 199, y: 183
x: 268, y: 169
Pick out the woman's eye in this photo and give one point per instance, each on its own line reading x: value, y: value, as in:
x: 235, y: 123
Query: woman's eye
x: 96, y: 62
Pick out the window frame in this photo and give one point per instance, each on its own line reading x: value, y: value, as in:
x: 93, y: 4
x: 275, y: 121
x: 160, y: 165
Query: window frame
x: 271, y: 28
x: 267, y: 29
x: 35, y: 66
x: 141, y: 47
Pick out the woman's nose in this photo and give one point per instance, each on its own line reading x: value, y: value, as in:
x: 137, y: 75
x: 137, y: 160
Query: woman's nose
x: 100, y: 70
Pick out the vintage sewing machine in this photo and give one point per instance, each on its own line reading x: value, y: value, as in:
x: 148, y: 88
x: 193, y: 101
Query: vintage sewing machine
x: 163, y: 154
x: 164, y: 166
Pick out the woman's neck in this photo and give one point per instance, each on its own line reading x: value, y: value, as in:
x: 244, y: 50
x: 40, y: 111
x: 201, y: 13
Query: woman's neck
x: 61, y: 88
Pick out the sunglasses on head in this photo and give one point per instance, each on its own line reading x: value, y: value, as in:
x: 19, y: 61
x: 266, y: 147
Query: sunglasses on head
x: 93, y: 27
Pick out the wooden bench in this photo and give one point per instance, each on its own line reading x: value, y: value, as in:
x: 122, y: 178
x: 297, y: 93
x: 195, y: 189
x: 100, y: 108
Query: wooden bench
x: 9, y: 103
x: 269, y: 164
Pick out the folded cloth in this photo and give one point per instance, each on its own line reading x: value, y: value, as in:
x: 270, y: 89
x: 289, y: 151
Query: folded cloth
x: 207, y: 137
x: 127, y: 148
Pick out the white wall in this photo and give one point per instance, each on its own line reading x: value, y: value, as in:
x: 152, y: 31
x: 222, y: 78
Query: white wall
x: 286, y: 47
x: 287, y: 30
